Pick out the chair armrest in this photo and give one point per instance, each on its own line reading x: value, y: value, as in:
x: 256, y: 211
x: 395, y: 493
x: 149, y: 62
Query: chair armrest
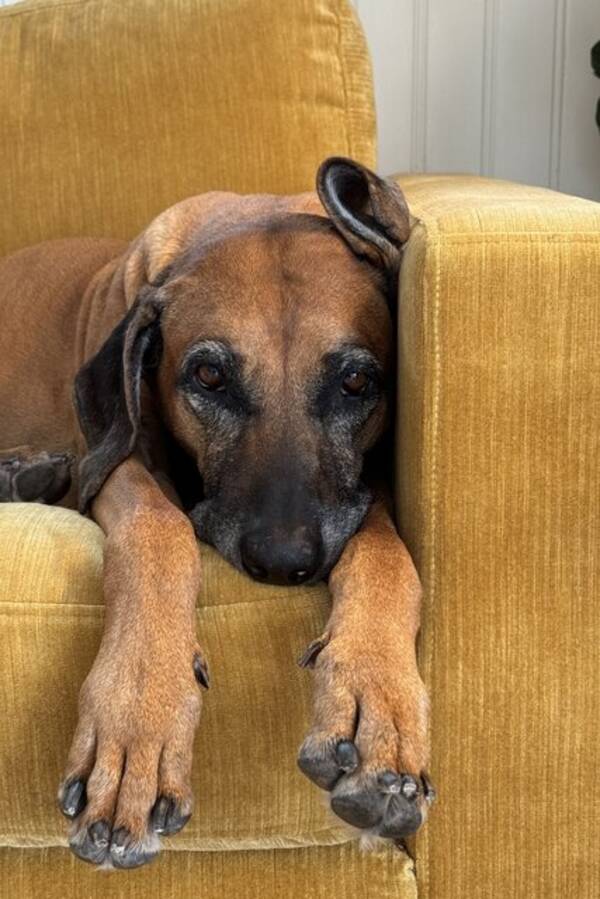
x: 498, y: 499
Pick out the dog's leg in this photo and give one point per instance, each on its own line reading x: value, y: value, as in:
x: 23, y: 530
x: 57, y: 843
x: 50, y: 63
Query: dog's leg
x: 28, y: 476
x: 369, y: 741
x: 128, y: 772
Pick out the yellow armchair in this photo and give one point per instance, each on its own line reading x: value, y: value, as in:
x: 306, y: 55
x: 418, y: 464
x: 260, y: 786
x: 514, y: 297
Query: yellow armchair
x: 111, y: 110
x: 499, y: 502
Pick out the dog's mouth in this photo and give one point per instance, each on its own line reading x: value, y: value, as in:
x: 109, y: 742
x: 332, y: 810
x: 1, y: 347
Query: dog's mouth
x: 303, y: 554
x: 266, y: 555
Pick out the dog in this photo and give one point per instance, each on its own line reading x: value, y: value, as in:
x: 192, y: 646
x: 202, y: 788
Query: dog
x: 228, y: 376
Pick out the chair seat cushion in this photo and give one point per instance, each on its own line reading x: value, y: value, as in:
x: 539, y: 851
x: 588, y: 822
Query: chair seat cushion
x: 319, y: 872
x: 249, y: 792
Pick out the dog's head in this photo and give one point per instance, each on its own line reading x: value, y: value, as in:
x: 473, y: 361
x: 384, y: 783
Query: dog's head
x: 263, y: 331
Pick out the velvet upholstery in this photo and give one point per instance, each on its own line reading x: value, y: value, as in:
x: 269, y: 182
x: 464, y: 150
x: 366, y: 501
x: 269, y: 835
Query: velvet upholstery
x: 499, y: 503
x: 111, y: 110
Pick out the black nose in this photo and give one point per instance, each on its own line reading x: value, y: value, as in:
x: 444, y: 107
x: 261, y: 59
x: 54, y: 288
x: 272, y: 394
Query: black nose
x: 277, y: 558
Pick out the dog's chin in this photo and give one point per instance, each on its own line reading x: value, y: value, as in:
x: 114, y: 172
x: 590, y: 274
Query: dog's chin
x: 222, y: 529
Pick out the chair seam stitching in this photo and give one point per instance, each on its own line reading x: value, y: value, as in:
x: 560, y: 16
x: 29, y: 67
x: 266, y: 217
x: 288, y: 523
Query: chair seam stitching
x: 341, y: 60
x: 433, y: 473
x: 20, y: 13
x: 515, y: 236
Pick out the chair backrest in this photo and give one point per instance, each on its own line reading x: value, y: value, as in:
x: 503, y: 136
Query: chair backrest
x: 112, y: 110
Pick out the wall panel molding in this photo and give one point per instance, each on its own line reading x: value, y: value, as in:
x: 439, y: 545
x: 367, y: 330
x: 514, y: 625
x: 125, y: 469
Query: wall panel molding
x: 488, y: 92
x: 389, y: 25
x: 558, y: 84
x: 498, y: 87
x: 419, y: 94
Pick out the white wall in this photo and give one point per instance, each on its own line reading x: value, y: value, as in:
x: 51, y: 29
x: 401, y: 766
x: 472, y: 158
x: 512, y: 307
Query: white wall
x: 497, y: 87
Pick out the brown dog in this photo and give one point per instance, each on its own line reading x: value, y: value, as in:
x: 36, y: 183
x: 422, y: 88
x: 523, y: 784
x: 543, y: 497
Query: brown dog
x: 232, y: 370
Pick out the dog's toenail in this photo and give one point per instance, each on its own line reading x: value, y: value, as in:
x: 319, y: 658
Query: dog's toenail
x: 167, y: 816
x: 389, y: 782
x: 159, y: 814
x: 126, y: 852
x: 409, y: 787
x: 99, y: 833
x: 201, y: 672
x: 119, y: 840
x: 429, y: 789
x: 74, y: 799
x: 346, y: 755
x: 309, y: 656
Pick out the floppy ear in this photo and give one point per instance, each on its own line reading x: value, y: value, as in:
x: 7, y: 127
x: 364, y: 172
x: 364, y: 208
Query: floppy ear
x: 107, y: 395
x: 370, y: 212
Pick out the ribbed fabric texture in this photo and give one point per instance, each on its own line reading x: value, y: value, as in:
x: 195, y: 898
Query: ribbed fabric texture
x: 499, y: 501
x: 110, y: 111
x: 113, y: 110
x: 249, y: 792
x: 342, y: 872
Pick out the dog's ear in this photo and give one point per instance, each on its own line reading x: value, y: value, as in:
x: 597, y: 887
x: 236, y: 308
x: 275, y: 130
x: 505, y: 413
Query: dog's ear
x: 108, y: 387
x: 107, y: 394
x: 370, y: 212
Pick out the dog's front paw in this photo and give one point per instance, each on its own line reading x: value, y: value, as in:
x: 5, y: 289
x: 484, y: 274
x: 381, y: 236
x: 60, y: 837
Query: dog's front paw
x: 129, y: 768
x: 27, y: 476
x: 368, y: 746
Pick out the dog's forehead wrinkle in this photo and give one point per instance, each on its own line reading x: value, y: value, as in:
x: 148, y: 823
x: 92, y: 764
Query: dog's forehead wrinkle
x: 247, y: 217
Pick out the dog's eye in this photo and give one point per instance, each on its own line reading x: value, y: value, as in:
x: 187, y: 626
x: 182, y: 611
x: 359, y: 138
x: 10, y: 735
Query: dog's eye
x: 355, y: 383
x: 210, y: 377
